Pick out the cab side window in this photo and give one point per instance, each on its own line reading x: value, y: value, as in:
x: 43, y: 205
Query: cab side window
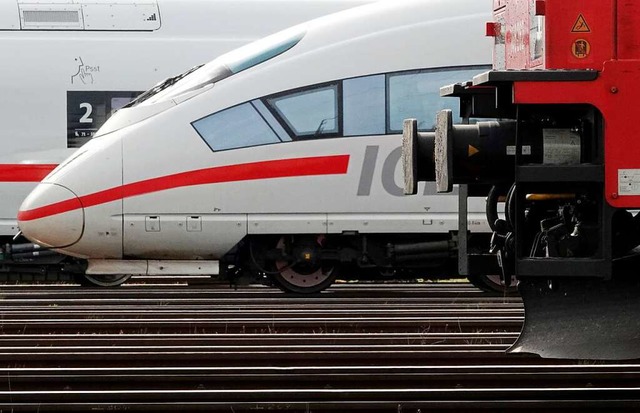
x: 310, y: 112
x: 238, y: 127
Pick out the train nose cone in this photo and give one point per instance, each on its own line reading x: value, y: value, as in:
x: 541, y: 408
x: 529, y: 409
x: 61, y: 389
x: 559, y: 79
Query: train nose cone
x: 52, y: 215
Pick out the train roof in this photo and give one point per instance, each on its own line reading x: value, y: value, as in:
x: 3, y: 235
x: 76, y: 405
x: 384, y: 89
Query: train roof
x: 383, y: 37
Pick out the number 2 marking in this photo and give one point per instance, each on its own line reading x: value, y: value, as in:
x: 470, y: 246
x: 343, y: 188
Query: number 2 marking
x: 88, y: 109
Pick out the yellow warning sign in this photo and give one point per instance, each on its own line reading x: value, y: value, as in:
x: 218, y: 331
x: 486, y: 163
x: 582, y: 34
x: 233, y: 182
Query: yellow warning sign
x: 581, y: 48
x: 473, y: 150
x: 581, y: 26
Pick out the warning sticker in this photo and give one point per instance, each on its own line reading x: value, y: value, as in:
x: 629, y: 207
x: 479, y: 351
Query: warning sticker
x: 561, y: 147
x: 581, y: 48
x: 581, y: 26
x: 629, y: 181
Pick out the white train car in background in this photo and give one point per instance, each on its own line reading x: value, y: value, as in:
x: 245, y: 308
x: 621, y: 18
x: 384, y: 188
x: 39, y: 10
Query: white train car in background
x: 67, y: 65
x: 280, y: 158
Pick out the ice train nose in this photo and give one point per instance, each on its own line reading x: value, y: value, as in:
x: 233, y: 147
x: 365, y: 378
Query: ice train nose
x: 52, y: 215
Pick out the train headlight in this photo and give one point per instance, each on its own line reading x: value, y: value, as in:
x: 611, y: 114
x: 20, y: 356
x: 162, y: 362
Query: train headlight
x: 52, y: 216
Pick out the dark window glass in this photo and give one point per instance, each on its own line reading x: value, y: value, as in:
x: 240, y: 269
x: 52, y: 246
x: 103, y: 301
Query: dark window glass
x: 271, y: 120
x: 236, y: 127
x: 417, y: 95
x: 364, y: 105
x: 309, y: 112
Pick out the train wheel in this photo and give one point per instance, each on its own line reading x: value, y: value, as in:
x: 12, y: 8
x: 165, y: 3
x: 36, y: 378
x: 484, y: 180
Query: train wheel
x: 304, y: 273
x: 493, y: 284
x: 103, y: 280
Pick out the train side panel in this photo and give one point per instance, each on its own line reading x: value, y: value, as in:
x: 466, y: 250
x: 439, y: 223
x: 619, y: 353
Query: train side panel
x: 328, y: 185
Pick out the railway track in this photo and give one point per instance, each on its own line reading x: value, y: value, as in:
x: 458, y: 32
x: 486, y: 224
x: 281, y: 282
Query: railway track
x: 361, y: 348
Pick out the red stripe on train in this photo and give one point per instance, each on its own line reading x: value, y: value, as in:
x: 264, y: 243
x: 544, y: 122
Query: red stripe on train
x: 24, y: 172
x: 282, y: 168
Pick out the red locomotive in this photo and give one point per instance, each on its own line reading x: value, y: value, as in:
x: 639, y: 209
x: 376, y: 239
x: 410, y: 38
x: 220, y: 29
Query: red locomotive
x: 563, y: 153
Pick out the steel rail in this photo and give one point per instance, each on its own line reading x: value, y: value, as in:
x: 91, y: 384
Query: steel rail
x: 580, y: 396
x: 23, y: 340
x: 365, y: 348
x: 269, y: 378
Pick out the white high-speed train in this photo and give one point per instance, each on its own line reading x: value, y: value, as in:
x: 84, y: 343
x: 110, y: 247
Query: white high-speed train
x: 68, y: 64
x: 281, y: 157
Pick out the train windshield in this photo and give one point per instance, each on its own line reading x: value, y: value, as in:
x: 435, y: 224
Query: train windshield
x: 226, y: 65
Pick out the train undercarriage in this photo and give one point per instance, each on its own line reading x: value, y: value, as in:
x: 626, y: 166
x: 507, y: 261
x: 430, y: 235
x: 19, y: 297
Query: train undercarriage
x: 300, y: 263
x: 23, y: 261
x: 306, y: 263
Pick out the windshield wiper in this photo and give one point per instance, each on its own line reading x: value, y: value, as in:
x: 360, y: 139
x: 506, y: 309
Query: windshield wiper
x: 160, y: 87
